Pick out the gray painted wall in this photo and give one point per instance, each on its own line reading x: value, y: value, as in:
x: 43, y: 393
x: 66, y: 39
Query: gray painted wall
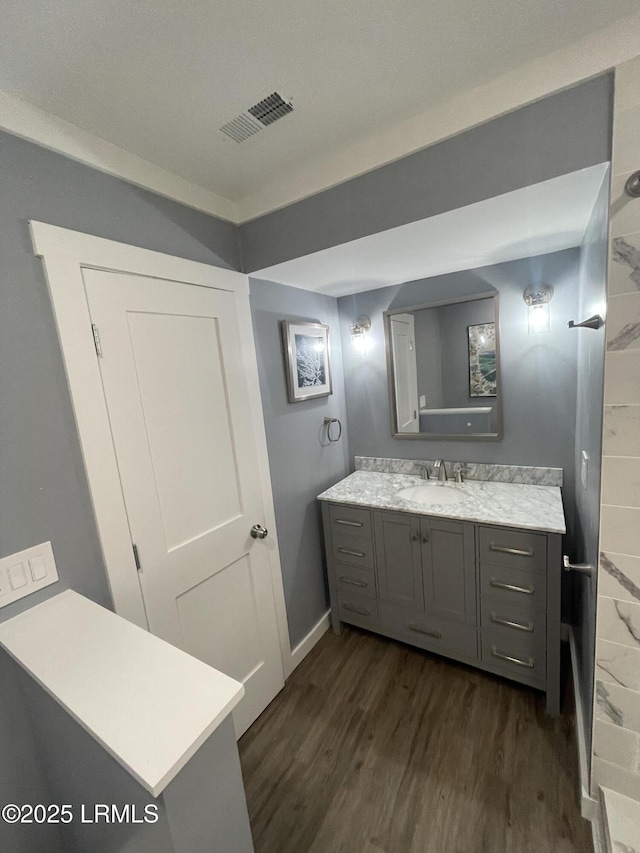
x: 454, y: 321
x: 43, y: 489
x: 558, y: 134
x: 203, y: 809
x: 428, y: 356
x: 442, y: 359
x: 591, y: 353
x: 538, y: 372
x: 302, y: 463
x: 206, y: 803
x: 21, y: 771
x: 44, y: 494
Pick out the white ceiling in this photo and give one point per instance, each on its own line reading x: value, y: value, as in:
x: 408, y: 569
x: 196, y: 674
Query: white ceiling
x: 538, y: 219
x: 159, y: 78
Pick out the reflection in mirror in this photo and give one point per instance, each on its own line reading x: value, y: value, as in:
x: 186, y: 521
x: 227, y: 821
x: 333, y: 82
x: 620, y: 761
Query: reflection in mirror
x: 444, y: 370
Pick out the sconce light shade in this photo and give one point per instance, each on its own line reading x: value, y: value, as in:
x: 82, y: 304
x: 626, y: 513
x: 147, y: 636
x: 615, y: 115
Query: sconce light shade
x: 359, y: 332
x: 537, y: 297
x: 539, y: 318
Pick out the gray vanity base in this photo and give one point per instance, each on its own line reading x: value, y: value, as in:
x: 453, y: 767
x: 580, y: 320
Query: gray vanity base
x: 484, y: 595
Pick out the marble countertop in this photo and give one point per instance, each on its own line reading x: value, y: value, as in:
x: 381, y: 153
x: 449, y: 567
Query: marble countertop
x: 505, y: 504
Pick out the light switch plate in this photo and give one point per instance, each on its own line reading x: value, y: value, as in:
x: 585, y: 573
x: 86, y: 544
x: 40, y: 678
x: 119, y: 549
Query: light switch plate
x: 584, y: 469
x: 26, y: 572
x: 17, y: 576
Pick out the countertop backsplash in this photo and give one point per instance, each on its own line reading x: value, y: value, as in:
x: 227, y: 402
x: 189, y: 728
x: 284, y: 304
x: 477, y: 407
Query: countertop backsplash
x: 487, y: 472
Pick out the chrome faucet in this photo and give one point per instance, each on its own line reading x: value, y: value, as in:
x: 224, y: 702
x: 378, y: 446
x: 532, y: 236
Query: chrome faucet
x: 460, y: 474
x: 442, y: 471
x: 424, y: 471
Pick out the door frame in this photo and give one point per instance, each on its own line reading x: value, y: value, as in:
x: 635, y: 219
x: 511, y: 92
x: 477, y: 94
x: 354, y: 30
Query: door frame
x: 409, y: 320
x: 64, y: 254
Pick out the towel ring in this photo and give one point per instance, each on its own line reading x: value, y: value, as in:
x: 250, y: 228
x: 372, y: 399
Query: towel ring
x: 328, y: 422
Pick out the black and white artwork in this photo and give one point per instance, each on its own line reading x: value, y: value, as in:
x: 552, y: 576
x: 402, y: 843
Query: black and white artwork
x: 307, y: 360
x: 310, y: 363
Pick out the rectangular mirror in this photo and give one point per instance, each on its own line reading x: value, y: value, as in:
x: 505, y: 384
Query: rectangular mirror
x: 443, y: 365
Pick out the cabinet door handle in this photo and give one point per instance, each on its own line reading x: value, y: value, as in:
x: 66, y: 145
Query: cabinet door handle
x: 583, y: 568
x: 517, y: 551
x: 510, y: 624
x: 414, y: 537
x: 425, y: 538
x: 352, y: 553
x: 354, y: 582
x: 349, y: 523
x: 354, y: 609
x: 528, y: 663
x: 429, y: 632
x: 512, y: 587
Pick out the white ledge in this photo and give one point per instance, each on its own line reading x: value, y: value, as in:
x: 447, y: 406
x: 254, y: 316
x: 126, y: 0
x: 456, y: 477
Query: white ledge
x: 469, y: 410
x: 621, y: 820
x: 149, y: 704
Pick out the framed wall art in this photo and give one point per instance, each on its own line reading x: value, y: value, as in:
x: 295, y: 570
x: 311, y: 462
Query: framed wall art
x: 307, y: 364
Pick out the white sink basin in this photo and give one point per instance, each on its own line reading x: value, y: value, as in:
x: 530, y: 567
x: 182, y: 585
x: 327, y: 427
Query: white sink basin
x: 431, y: 493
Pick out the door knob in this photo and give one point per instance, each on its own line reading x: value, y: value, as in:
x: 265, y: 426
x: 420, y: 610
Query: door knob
x: 259, y: 532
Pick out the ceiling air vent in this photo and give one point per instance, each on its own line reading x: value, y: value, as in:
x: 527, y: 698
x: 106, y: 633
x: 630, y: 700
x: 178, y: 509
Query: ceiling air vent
x: 271, y: 109
x: 257, y: 117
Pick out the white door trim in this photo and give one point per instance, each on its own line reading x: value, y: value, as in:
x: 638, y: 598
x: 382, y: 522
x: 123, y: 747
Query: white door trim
x: 64, y: 253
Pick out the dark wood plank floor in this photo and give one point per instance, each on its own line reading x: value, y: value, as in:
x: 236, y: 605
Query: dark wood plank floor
x: 375, y: 747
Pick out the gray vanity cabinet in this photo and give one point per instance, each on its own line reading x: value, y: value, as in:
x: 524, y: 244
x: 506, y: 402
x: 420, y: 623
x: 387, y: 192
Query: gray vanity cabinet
x: 398, y: 543
x: 485, y: 595
x: 426, y: 564
x: 426, y: 582
x: 448, y: 569
x: 519, y: 578
x: 351, y: 557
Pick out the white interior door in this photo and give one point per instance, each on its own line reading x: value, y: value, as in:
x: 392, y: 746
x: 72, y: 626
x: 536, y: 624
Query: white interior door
x: 405, y: 370
x: 179, y: 414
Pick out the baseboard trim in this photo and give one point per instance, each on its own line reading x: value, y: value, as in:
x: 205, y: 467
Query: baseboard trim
x: 589, y: 808
x: 299, y: 653
x: 598, y: 835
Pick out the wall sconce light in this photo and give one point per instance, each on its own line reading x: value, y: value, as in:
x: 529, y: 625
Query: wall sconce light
x: 359, y: 332
x: 538, y: 296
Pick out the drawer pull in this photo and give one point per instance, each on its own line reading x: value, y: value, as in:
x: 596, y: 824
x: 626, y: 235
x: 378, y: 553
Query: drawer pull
x: 528, y: 663
x: 509, y: 624
x: 349, y: 523
x: 517, y: 551
x: 527, y: 590
x: 354, y: 582
x: 355, y: 609
x: 352, y: 553
x: 429, y: 632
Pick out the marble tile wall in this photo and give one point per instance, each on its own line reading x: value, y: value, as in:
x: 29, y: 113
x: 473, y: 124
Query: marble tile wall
x: 616, y: 733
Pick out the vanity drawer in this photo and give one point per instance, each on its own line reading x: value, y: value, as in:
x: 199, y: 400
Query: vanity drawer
x: 508, y: 585
x: 429, y: 632
x: 517, y: 548
x: 353, y: 581
x: 522, y: 658
x: 354, y: 549
x: 348, y: 519
x: 357, y: 609
x: 506, y: 620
